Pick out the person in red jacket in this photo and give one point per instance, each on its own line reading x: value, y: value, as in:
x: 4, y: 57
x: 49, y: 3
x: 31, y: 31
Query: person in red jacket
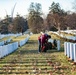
x: 39, y: 41
x: 42, y: 40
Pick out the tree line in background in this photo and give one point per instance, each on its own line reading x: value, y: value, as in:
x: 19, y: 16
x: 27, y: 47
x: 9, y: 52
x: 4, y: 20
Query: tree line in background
x: 17, y: 25
x: 56, y: 19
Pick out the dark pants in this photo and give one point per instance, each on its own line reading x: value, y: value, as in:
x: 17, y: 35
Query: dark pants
x: 39, y: 46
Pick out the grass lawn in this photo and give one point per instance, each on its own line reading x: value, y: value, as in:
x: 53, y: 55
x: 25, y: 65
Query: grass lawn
x: 19, y: 38
x: 14, y: 39
x: 27, y: 61
x: 4, y: 39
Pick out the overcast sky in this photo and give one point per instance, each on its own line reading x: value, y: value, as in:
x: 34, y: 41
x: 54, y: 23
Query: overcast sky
x: 22, y: 6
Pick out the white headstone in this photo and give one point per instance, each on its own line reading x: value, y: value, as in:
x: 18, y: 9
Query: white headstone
x: 75, y: 53
x: 58, y: 45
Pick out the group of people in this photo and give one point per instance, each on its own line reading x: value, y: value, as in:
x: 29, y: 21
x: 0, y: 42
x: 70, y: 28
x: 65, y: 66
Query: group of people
x: 42, y: 41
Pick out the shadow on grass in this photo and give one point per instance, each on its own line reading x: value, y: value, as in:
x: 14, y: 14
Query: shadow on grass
x: 36, y: 51
x: 29, y: 52
x: 55, y: 50
x: 32, y: 41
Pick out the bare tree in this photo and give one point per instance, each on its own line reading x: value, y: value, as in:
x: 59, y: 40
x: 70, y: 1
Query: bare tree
x: 12, y: 12
x: 74, y: 5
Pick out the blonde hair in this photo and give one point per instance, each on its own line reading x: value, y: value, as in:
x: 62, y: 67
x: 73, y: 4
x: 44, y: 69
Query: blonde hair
x: 41, y: 32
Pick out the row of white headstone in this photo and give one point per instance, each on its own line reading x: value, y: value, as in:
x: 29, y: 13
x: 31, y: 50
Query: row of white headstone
x: 71, y: 37
x: 69, y: 31
x: 22, y: 42
x: 4, y: 42
x: 67, y: 37
x: 70, y: 50
x: 7, y: 49
x: 8, y: 40
x: 6, y: 35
